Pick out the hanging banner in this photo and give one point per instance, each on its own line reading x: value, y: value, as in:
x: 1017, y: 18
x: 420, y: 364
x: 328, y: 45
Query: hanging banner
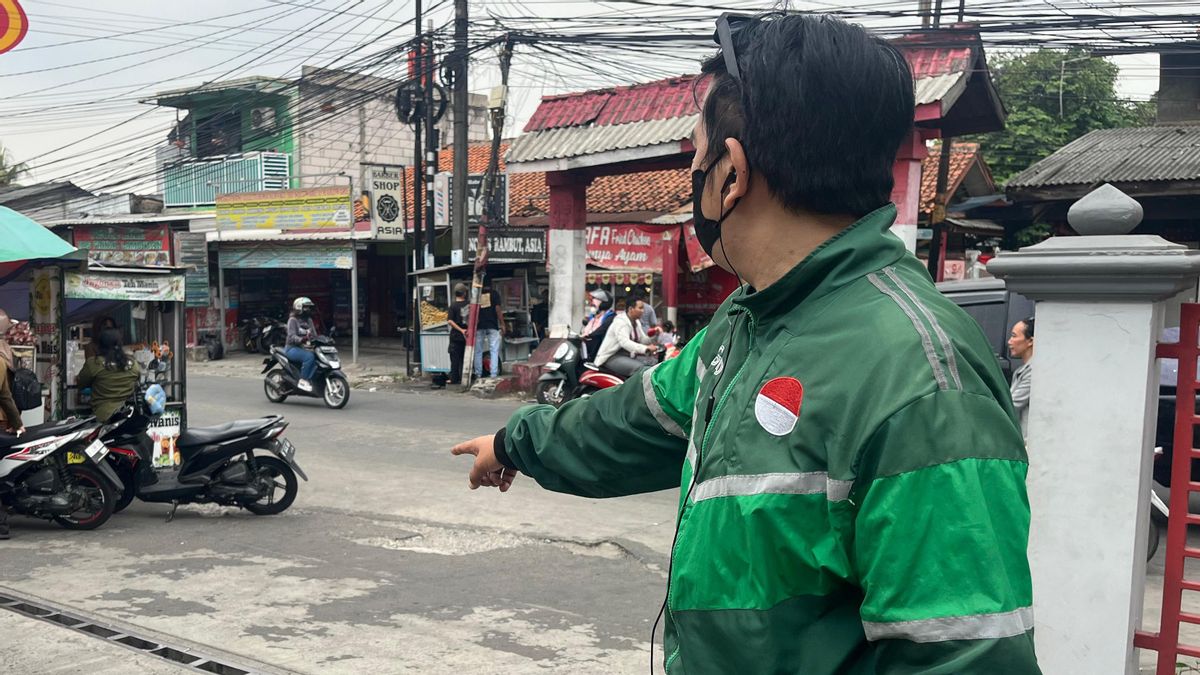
x: 95, y: 286
x: 697, y: 258
x: 191, y: 251
x: 511, y: 244
x: 282, y: 256
x: 618, y: 247
x: 386, y: 187
x: 14, y: 24
x: 443, y: 196
x: 164, y: 431
x: 130, y: 246
x: 326, y: 208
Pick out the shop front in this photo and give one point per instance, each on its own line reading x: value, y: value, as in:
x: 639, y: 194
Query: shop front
x: 629, y: 258
x: 515, y: 271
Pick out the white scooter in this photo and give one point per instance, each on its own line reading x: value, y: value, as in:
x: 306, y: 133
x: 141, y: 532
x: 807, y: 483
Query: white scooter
x: 55, y: 471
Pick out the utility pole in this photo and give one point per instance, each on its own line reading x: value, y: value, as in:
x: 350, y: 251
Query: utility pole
x: 458, y: 208
x: 429, y: 67
x: 491, y: 209
x: 418, y: 187
x: 937, y: 245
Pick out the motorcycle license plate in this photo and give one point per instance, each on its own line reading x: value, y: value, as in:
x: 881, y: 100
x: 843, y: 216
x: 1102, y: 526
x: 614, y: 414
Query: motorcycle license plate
x: 286, y: 449
x: 97, y: 450
x: 74, y: 458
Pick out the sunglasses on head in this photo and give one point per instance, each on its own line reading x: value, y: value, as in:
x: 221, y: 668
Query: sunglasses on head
x: 728, y: 24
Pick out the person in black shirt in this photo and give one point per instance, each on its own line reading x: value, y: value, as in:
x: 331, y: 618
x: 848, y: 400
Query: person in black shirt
x: 460, y: 312
x: 489, y: 331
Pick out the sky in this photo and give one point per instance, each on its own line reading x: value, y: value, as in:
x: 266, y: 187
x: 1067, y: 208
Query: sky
x: 71, y: 95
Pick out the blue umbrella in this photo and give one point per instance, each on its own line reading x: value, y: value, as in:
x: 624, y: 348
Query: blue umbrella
x: 24, y: 239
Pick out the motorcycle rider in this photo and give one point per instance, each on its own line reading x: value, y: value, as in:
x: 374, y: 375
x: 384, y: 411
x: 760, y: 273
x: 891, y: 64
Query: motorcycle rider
x: 602, y: 317
x: 624, y: 339
x: 301, y: 331
x: 111, y: 374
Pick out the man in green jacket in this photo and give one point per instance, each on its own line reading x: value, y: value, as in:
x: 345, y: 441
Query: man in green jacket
x: 853, y: 476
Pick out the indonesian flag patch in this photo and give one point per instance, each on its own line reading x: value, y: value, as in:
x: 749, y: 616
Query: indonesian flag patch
x: 778, y: 405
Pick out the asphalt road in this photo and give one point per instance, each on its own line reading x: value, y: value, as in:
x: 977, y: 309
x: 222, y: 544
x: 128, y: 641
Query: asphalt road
x: 387, y: 563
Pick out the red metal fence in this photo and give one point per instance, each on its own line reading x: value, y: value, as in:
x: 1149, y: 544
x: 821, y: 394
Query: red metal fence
x: 1166, y: 640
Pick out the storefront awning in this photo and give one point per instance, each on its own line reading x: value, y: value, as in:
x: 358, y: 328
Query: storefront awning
x: 288, y: 255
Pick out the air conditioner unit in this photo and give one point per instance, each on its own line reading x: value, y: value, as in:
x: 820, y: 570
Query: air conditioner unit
x: 262, y: 119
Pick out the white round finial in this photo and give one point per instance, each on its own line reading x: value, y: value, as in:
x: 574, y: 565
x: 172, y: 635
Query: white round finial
x: 1105, y: 210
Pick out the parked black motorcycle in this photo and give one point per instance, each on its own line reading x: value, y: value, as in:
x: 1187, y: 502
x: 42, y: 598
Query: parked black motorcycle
x: 328, y: 382
x: 56, y: 471
x: 220, y: 464
x: 271, y: 334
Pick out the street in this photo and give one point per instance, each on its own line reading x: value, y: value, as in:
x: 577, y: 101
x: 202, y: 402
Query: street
x: 387, y: 563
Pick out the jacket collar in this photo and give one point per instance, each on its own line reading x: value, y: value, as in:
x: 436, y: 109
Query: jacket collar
x: 858, y: 250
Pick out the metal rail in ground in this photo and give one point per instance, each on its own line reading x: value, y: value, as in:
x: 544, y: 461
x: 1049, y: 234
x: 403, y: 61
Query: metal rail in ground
x: 141, y: 642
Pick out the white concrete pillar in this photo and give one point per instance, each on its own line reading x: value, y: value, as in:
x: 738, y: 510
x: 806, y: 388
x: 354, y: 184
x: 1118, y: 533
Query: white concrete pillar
x: 1100, y: 301
x: 566, y: 262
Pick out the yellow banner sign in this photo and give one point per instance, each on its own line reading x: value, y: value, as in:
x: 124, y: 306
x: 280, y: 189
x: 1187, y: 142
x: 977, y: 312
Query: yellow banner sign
x: 325, y: 208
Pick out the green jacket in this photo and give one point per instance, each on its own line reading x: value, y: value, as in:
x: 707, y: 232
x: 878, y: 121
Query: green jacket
x: 111, y: 388
x: 853, y: 475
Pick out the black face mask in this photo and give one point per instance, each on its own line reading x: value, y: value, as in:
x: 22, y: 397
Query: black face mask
x: 708, y: 231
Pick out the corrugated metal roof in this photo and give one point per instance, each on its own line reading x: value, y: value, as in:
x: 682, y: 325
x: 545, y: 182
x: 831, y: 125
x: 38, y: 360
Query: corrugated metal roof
x: 659, y: 100
x: 276, y: 235
x: 1119, y: 156
x: 945, y: 88
x: 579, y: 141
x: 133, y: 218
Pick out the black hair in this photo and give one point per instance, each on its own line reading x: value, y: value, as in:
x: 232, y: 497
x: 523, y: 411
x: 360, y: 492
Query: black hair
x: 821, y: 110
x: 112, y: 350
x: 1028, y: 321
x: 668, y: 326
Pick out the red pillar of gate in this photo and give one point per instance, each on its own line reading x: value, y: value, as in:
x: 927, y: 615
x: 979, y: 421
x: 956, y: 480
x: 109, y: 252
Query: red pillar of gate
x: 1166, y: 640
x: 568, y: 200
x: 670, y: 273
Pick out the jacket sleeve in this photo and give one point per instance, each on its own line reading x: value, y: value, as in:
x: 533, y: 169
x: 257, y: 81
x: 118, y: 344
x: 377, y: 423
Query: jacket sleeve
x: 293, y: 332
x: 625, y: 440
x: 940, y: 538
x: 8, y: 407
x: 88, y: 373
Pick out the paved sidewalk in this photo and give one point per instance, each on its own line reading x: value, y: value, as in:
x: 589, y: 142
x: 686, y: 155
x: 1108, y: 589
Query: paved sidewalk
x: 32, y: 646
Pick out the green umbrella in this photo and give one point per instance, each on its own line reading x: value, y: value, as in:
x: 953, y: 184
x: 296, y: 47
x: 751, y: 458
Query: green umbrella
x: 25, y: 239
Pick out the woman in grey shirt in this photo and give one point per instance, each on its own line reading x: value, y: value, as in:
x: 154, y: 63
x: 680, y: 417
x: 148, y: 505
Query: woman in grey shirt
x: 1020, y: 346
x: 300, y: 330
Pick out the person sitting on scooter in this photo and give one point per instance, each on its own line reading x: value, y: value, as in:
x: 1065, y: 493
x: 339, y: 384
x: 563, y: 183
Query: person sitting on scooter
x: 300, y: 331
x: 111, y: 374
x: 597, y: 326
x: 626, y: 338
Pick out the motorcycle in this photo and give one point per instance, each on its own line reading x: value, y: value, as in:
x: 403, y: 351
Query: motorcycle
x: 56, y: 471
x: 271, y: 334
x: 568, y: 376
x: 251, y: 333
x: 328, y: 382
x: 219, y: 464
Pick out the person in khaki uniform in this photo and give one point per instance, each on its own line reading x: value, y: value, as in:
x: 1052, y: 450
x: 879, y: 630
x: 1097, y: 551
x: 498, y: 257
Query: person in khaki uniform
x: 10, y: 416
x: 111, y: 374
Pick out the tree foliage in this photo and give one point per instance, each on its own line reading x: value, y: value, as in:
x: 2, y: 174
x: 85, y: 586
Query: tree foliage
x: 1036, y: 127
x: 10, y: 169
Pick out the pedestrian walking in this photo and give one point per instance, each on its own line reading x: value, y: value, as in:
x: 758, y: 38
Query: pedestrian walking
x: 853, y: 481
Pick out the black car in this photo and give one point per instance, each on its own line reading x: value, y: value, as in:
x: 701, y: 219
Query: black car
x: 995, y: 308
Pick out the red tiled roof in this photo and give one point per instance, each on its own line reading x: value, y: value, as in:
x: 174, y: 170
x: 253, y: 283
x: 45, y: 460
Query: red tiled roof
x: 962, y: 156
x: 659, y: 100
x: 933, y: 54
x: 651, y: 191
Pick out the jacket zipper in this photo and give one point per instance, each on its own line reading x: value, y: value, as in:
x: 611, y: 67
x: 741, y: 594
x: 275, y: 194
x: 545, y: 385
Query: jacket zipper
x: 700, y: 450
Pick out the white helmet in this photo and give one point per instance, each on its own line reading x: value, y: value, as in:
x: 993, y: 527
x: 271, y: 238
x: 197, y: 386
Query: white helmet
x: 302, y: 304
